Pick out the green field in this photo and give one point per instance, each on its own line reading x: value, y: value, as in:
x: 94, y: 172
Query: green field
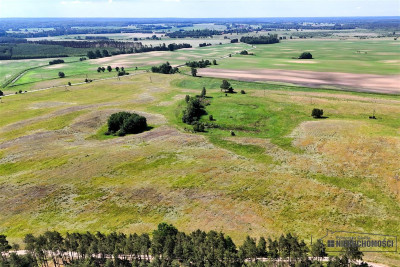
x: 375, y: 56
x: 76, y: 72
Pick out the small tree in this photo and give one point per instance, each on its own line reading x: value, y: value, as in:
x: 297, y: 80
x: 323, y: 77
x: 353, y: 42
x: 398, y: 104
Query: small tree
x: 214, y: 62
x: 1, y: 93
x: 242, y: 92
x: 317, y: 113
x: 117, y: 69
x: 61, y: 74
x: 103, y: 69
x: 187, y: 98
x: 109, y: 68
x: 203, y: 92
x: 69, y: 84
x: 194, y: 72
x: 99, y: 69
x: 305, y: 55
x: 225, y: 85
x: 211, y: 118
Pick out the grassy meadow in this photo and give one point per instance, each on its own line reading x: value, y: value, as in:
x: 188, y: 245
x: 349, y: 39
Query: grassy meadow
x: 283, y: 171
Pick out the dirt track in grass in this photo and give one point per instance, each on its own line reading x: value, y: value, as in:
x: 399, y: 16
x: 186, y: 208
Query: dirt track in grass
x: 386, y: 84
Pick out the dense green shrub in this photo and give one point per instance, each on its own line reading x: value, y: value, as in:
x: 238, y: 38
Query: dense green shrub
x: 193, y: 111
x: 61, y: 74
x: 165, y: 68
x: 317, y: 113
x: 194, y: 72
x: 122, y: 123
x: 199, y: 64
x: 305, y: 55
x: 56, y: 61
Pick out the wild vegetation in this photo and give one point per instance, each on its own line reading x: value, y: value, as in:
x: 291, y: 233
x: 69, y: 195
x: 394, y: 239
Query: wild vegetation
x: 165, y: 68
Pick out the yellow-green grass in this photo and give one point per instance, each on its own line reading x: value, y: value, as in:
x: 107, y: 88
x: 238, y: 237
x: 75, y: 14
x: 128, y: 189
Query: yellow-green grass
x: 283, y: 171
x: 378, y: 56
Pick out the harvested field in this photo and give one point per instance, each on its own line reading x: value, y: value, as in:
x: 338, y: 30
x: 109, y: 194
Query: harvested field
x: 386, y: 84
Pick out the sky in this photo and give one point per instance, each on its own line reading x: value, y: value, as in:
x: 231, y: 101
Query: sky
x: 198, y: 8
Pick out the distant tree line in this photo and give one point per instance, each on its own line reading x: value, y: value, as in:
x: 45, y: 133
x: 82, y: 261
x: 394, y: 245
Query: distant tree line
x: 96, y: 38
x: 74, y: 31
x: 263, y: 39
x: 204, y: 44
x: 11, y: 40
x: 165, y: 68
x: 168, y: 246
x: 193, y: 33
x: 90, y: 44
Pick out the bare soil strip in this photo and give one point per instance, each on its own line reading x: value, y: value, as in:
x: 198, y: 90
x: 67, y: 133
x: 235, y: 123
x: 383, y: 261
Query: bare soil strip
x: 386, y: 84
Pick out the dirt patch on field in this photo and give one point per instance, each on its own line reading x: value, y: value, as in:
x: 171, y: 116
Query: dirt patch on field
x: 388, y: 84
x: 57, y: 66
x: 303, y: 61
x: 48, y: 105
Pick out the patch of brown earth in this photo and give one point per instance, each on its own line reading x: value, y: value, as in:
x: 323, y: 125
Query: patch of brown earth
x: 388, y: 84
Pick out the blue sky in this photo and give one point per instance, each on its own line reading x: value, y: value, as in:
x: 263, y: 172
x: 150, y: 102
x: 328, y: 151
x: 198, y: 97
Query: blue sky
x: 198, y: 8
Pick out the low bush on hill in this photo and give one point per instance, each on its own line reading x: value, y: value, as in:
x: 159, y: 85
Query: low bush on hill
x: 123, y: 123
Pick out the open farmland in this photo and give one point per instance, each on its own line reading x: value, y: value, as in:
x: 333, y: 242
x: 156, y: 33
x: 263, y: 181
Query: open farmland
x: 247, y: 184
x: 353, y: 55
x: 248, y: 140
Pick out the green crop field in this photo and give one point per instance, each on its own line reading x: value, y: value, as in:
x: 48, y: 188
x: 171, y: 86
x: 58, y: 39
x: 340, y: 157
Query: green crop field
x: 354, y: 56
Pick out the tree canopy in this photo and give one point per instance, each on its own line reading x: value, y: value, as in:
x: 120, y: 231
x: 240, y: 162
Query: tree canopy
x: 122, y: 123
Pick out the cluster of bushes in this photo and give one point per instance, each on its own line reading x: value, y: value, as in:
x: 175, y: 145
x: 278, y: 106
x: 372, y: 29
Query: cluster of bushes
x: 200, y: 64
x: 204, y: 44
x: 234, y: 41
x: 165, y: 68
x: 82, y: 59
x: 56, y: 61
x: 306, y: 55
x: 263, y: 39
x: 123, y: 123
x: 168, y: 246
x: 98, y: 54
